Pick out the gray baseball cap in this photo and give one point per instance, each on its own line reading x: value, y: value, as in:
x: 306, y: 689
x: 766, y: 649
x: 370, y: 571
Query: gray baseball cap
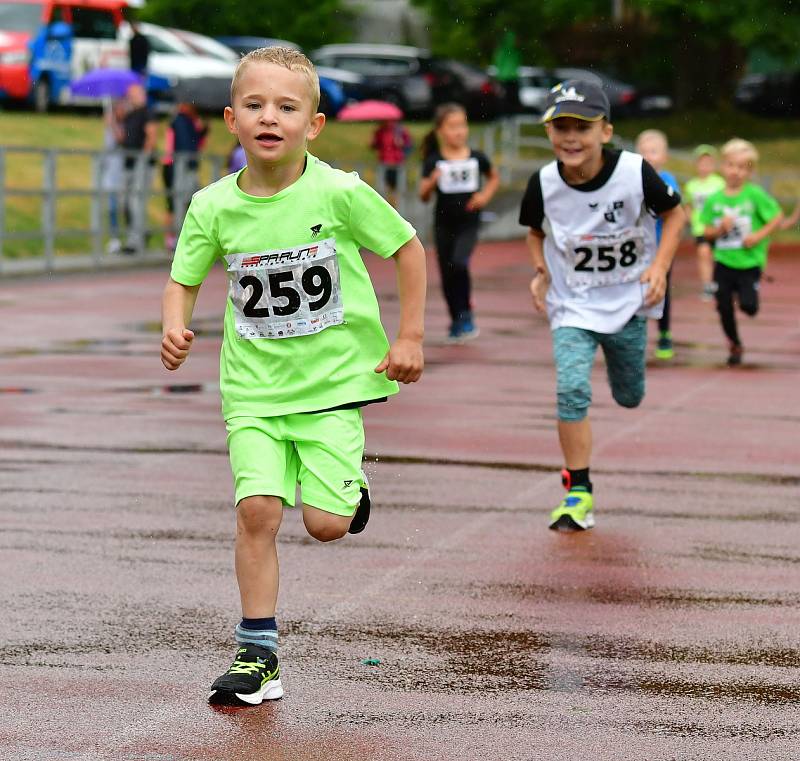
x: 579, y: 99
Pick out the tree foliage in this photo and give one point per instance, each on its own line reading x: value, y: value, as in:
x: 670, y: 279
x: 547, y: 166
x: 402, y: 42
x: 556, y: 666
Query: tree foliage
x: 309, y: 23
x: 694, y: 47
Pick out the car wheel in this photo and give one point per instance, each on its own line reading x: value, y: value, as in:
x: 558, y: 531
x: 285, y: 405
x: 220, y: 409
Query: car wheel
x: 41, y: 95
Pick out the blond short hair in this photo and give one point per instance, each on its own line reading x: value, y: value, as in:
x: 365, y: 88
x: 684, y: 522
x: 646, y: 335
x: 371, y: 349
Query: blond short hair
x: 652, y: 134
x: 739, y: 147
x: 290, y: 59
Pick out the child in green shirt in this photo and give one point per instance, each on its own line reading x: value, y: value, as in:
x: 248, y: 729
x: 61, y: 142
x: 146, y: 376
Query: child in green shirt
x: 303, y: 346
x: 695, y: 193
x: 738, y: 220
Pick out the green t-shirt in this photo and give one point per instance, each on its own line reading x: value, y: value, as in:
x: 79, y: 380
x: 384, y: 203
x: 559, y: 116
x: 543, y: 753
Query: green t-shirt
x: 302, y: 325
x: 752, y: 207
x: 695, y: 193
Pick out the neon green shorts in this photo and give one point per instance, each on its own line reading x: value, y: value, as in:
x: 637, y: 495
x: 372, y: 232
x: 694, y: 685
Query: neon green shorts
x: 321, y: 451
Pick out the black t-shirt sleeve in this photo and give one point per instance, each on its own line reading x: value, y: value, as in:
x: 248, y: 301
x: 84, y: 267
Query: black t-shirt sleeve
x: 484, y: 163
x: 531, y: 212
x: 658, y: 196
x: 429, y: 164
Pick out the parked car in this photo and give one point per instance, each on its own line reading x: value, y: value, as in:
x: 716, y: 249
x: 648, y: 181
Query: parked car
x: 203, y: 45
x: 535, y: 82
x: 394, y: 73
x: 46, y: 45
x: 625, y: 99
x: 244, y: 45
x: 336, y: 86
x: 194, y: 77
x: 477, y: 91
x: 776, y: 94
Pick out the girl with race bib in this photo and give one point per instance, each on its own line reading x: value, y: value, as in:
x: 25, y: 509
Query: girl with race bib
x: 739, y: 219
x: 599, y: 271
x: 454, y: 171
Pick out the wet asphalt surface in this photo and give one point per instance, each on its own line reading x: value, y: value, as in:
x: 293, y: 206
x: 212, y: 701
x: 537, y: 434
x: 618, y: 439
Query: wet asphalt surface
x: 671, y: 631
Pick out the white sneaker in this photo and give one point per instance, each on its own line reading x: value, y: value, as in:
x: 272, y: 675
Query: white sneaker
x: 114, y: 246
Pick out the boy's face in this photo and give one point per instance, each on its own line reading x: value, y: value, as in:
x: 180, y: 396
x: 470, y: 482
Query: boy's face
x: 577, y: 142
x: 654, y: 151
x: 736, y: 169
x: 271, y: 114
x: 705, y: 165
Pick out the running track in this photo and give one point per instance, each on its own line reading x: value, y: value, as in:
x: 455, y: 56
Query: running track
x: 671, y: 631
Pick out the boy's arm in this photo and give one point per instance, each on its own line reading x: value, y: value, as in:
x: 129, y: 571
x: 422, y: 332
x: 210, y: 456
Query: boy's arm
x: 656, y: 274
x: 792, y: 219
x: 755, y: 238
x: 177, y: 306
x: 541, y: 280
x: 404, y: 361
x: 712, y: 232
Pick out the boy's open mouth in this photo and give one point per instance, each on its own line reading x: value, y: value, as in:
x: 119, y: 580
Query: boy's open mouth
x: 268, y: 138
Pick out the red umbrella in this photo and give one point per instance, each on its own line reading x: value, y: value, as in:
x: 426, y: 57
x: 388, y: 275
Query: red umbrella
x: 370, y: 111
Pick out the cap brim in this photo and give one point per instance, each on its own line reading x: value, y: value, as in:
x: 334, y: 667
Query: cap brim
x: 572, y: 109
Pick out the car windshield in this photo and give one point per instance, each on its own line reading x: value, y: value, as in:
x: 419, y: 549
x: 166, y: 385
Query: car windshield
x: 20, y: 17
x: 374, y: 65
x: 208, y: 46
x: 164, y: 42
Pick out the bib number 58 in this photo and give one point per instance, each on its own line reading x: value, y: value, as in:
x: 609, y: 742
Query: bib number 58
x: 316, y: 283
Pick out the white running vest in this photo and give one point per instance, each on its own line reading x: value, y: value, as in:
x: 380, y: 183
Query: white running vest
x: 597, y: 244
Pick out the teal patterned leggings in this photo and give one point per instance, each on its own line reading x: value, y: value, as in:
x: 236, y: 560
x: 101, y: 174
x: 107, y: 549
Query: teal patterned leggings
x: 625, y: 353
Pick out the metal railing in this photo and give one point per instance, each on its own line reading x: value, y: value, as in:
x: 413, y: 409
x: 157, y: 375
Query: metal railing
x: 41, y: 204
x: 56, y: 204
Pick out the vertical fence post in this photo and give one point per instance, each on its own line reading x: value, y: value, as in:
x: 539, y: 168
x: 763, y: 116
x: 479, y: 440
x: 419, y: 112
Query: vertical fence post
x: 2, y: 202
x: 49, y: 191
x: 96, y: 206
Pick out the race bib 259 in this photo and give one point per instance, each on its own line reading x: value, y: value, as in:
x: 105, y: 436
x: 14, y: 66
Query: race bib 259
x: 286, y: 292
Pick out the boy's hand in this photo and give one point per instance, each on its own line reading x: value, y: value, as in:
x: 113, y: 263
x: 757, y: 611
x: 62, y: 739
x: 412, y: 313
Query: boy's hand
x: 539, y: 286
x: 175, y: 347
x: 403, y: 362
x: 656, y: 276
x: 726, y: 225
x: 750, y: 240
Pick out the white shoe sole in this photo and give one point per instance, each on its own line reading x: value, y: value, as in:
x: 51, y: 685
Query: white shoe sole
x: 270, y: 691
x: 568, y: 523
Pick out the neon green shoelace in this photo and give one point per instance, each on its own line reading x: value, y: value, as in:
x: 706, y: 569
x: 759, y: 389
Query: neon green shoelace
x: 246, y: 667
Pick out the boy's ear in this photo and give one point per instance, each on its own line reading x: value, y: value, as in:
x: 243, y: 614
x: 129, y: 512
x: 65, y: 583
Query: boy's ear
x: 230, y: 120
x: 316, y: 125
x: 608, y: 132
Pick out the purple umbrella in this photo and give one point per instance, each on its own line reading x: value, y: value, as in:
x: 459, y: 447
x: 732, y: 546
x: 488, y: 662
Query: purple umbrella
x: 105, y: 83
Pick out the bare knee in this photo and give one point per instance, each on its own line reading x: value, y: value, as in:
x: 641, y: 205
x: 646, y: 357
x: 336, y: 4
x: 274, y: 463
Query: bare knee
x: 325, y: 527
x: 259, y: 515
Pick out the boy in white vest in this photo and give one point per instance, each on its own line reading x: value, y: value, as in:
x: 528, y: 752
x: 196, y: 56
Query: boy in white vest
x: 600, y: 274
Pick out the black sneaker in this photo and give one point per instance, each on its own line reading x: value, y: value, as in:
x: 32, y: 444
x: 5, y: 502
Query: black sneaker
x: 361, y: 516
x: 253, y: 677
x: 735, y: 356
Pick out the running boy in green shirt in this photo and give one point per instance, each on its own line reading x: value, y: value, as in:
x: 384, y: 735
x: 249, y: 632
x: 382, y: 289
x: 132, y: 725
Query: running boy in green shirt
x: 303, y: 346
x: 738, y: 220
x: 695, y: 193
